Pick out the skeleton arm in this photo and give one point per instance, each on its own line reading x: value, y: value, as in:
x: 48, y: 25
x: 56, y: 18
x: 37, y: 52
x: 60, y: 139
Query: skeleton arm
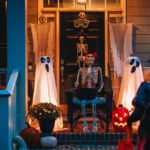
x: 77, y: 82
x: 101, y: 79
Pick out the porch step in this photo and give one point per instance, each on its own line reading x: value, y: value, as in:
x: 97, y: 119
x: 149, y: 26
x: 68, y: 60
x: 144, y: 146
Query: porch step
x: 96, y: 139
x: 82, y: 148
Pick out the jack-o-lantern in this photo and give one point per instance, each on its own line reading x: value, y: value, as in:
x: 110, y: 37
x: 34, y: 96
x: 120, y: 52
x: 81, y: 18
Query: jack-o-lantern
x: 119, y: 118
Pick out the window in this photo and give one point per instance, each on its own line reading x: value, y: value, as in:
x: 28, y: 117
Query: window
x: 89, y: 4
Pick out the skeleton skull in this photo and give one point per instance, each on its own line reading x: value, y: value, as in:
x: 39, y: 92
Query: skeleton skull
x: 43, y: 19
x: 119, y: 19
x: 90, y: 59
x: 81, y: 38
x: 82, y: 15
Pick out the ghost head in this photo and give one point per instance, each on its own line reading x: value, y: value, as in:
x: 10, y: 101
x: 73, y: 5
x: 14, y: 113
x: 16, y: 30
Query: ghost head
x: 90, y: 58
x: 135, y: 63
x: 46, y: 61
x: 45, y: 87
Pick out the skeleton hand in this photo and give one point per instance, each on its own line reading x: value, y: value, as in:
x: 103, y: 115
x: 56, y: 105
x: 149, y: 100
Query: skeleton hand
x: 101, y: 86
x: 76, y: 84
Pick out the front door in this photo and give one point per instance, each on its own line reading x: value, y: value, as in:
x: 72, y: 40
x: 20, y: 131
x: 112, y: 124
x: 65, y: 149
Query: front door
x: 69, y: 37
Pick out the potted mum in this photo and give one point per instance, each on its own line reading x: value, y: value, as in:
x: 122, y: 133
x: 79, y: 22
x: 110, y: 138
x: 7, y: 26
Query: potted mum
x: 46, y: 114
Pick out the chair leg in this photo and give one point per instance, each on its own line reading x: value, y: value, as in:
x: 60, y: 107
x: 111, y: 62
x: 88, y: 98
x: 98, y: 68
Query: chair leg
x: 102, y: 125
x: 71, y: 127
x: 75, y: 124
x: 107, y: 127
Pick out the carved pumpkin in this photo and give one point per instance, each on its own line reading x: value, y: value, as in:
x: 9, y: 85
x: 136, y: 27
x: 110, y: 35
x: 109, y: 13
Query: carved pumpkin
x: 31, y: 136
x: 119, y: 118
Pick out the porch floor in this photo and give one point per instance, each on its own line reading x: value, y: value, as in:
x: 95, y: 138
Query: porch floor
x: 101, y: 139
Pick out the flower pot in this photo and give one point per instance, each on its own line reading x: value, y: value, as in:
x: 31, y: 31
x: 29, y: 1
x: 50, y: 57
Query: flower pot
x: 47, y: 126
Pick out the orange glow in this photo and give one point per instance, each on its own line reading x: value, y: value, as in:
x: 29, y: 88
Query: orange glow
x: 121, y: 124
x: 121, y: 119
x: 125, y: 114
x: 116, y: 115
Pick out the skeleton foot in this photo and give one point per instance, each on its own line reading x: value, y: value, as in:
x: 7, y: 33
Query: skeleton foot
x: 94, y: 129
x: 85, y: 129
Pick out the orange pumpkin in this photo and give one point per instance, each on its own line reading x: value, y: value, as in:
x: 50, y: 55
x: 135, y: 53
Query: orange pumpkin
x: 31, y: 136
x: 119, y: 118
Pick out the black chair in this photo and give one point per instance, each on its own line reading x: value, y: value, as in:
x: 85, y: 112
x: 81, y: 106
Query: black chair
x: 104, y: 111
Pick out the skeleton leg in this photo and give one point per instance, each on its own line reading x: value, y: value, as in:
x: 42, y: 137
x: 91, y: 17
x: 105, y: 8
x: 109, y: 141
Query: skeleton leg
x: 94, y: 116
x: 85, y: 128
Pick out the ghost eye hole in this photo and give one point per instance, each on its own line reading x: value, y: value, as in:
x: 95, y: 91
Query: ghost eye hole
x: 42, y: 60
x: 48, y: 59
x: 132, y: 61
x: 116, y: 115
x: 137, y: 64
x: 125, y: 114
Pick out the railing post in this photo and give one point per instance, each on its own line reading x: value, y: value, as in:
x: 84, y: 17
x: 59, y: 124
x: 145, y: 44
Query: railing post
x: 17, y: 54
x: 5, y: 124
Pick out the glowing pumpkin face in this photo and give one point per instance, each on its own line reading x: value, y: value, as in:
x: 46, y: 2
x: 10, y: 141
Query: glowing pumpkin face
x: 119, y: 119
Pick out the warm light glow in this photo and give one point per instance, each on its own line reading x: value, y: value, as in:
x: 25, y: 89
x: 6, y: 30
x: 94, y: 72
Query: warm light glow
x: 121, y: 124
x: 125, y: 114
x: 116, y: 115
x: 121, y: 119
x: 81, y: 1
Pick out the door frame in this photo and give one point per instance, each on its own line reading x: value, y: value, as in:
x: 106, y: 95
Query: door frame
x: 55, y: 13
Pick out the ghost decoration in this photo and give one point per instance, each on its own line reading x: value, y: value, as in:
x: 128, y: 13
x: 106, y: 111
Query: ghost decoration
x: 132, y: 78
x: 45, y: 86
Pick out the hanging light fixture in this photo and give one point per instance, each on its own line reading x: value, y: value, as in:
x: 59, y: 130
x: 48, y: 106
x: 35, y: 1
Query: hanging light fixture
x: 81, y: 2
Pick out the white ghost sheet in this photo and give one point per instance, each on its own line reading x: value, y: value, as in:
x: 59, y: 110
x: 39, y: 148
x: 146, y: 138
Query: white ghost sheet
x: 45, y: 86
x: 132, y: 78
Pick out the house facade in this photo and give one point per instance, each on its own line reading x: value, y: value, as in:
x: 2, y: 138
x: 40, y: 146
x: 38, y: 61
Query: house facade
x: 15, y: 99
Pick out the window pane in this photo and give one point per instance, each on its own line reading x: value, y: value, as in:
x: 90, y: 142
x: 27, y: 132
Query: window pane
x: 51, y: 3
x: 97, y: 3
x: 113, y: 3
x: 89, y: 4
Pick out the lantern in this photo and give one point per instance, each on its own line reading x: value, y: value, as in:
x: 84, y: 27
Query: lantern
x: 119, y: 118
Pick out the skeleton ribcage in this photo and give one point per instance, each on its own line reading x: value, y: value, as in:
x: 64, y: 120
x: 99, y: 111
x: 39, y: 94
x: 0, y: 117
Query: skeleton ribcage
x: 94, y: 72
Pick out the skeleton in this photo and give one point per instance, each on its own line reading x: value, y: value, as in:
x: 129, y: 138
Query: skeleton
x: 119, y: 18
x: 82, y: 21
x: 43, y: 19
x: 89, y: 80
x: 81, y: 48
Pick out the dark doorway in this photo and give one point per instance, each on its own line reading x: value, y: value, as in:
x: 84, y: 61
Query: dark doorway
x: 69, y: 37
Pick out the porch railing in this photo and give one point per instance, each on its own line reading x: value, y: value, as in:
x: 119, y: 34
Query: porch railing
x: 8, y: 112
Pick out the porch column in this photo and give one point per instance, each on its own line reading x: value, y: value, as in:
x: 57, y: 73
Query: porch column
x: 17, y: 54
